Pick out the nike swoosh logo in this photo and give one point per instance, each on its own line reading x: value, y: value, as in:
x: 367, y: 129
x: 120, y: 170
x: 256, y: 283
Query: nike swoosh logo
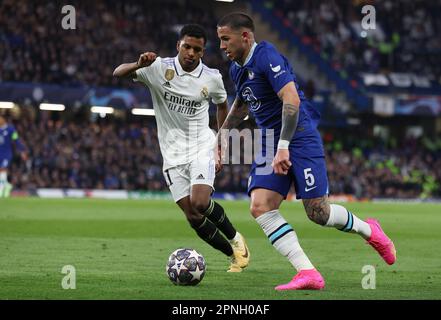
x: 246, y: 253
x: 309, y: 189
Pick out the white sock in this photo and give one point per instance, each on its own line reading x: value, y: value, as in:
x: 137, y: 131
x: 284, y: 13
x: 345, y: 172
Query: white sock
x: 283, y: 237
x: 344, y: 220
x: 236, y: 238
x: 3, y: 181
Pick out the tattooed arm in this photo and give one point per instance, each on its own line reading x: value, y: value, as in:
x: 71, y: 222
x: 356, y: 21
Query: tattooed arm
x: 290, y: 118
x: 238, y: 112
x: 290, y: 114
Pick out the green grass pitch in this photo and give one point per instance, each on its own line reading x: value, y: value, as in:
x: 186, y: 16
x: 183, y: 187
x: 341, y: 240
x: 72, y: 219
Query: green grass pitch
x: 119, y: 250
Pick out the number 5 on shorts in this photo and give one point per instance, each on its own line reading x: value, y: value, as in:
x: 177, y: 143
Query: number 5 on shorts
x: 309, y: 177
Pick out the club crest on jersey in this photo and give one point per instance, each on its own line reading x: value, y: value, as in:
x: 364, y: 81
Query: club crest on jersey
x: 204, y: 92
x: 169, y: 74
x: 250, y: 74
x: 249, y: 97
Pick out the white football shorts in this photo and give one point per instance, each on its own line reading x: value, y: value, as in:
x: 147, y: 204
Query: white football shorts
x: 180, y: 178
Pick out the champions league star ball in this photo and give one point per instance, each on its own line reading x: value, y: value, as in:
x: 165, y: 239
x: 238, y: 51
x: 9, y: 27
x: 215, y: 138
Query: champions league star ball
x: 185, y: 267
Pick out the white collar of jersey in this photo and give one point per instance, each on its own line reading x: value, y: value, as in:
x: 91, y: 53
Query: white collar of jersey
x: 250, y: 55
x: 181, y: 72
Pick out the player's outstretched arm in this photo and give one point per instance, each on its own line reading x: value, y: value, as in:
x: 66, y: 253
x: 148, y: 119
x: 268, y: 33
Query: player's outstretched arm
x: 290, y: 118
x: 128, y: 69
x: 237, y: 114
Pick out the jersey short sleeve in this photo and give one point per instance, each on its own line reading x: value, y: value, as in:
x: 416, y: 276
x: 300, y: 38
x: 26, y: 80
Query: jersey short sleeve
x: 275, y: 68
x: 218, y: 94
x: 147, y: 74
x: 12, y: 132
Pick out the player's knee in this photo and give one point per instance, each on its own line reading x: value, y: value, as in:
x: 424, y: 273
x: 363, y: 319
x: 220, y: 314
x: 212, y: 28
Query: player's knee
x: 194, y: 219
x: 317, y: 214
x: 199, y: 205
x: 258, y: 208
x: 314, y: 218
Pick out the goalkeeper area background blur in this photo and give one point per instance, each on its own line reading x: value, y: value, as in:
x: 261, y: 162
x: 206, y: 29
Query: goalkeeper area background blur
x: 119, y: 250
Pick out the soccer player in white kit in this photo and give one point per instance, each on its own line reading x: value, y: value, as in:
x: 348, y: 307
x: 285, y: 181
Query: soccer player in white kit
x: 181, y: 88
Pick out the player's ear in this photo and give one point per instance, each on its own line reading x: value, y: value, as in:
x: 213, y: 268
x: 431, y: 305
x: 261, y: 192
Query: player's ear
x: 245, y: 35
x: 178, y: 44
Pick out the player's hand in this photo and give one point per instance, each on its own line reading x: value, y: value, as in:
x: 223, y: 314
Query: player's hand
x: 146, y: 59
x: 281, y: 163
x: 218, y: 158
x: 220, y: 151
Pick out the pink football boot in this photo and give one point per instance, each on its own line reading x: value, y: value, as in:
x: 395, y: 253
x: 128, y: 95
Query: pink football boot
x: 380, y: 242
x: 304, y: 280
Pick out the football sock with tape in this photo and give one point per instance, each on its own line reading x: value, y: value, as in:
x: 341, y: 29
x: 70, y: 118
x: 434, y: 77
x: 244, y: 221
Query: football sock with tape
x: 208, y: 232
x: 344, y: 220
x: 283, y: 237
x: 216, y: 214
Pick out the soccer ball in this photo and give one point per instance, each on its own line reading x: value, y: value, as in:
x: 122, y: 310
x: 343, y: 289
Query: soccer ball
x: 185, y: 267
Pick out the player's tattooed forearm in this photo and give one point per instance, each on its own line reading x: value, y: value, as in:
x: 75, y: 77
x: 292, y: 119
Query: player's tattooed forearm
x: 317, y: 209
x: 290, y: 109
x: 236, y: 115
x: 232, y: 121
x: 290, y: 119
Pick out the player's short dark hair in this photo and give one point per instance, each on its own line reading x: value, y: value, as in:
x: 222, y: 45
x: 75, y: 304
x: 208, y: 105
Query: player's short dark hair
x: 193, y: 30
x: 236, y: 21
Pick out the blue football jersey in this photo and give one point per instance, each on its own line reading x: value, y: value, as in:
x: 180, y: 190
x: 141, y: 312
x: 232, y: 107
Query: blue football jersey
x: 257, y: 83
x: 7, y: 136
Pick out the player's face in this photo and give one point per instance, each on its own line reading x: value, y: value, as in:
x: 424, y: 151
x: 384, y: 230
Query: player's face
x: 2, y: 121
x: 190, y: 51
x: 233, y: 43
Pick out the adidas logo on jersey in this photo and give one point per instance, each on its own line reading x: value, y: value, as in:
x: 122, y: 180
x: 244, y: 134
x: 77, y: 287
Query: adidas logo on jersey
x: 166, y: 84
x: 200, y: 177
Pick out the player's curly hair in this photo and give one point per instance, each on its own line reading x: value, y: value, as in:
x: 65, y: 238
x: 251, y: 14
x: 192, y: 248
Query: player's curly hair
x: 193, y: 30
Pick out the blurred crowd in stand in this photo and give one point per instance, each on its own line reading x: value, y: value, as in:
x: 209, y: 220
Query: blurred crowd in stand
x: 406, y: 38
x: 106, y: 153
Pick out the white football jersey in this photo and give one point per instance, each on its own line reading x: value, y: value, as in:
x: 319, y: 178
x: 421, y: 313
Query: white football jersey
x: 181, y: 102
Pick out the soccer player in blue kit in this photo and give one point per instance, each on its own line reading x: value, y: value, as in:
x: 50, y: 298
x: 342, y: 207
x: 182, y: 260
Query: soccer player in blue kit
x: 8, y: 136
x: 266, y: 85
